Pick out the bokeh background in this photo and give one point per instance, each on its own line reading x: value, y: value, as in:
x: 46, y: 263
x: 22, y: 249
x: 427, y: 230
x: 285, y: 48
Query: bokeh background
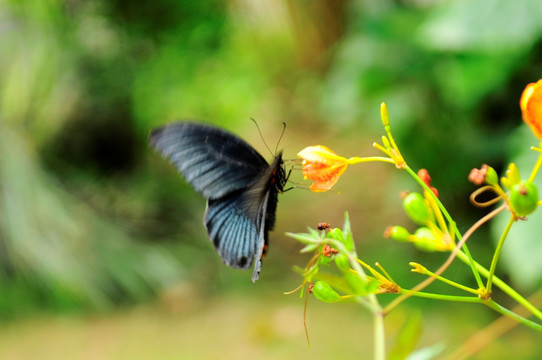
x: 102, y: 250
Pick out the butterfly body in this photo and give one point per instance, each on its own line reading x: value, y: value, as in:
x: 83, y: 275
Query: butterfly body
x: 240, y: 186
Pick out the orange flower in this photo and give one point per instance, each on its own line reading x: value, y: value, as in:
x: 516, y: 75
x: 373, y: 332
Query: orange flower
x: 322, y: 166
x: 531, y: 107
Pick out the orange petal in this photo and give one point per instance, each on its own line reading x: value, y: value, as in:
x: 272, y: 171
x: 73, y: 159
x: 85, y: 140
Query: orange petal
x: 322, y: 166
x: 531, y: 107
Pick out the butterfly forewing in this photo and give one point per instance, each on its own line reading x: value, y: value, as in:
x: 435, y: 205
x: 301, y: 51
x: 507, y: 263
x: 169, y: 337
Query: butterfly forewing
x: 212, y: 160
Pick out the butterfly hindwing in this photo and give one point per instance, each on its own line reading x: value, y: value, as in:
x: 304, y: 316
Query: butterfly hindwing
x: 212, y: 160
x: 238, y: 224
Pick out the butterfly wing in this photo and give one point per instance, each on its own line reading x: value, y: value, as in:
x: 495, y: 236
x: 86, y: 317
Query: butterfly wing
x: 240, y: 186
x: 215, y: 162
x: 238, y: 224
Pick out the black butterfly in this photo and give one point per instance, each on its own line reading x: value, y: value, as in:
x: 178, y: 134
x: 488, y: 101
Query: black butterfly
x: 240, y: 186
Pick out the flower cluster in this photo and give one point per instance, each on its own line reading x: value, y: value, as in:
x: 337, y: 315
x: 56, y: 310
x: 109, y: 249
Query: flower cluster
x: 433, y: 233
x: 522, y: 198
x: 335, y: 246
x: 335, y: 273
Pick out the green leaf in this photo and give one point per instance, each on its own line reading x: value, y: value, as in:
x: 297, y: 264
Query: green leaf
x: 304, y: 237
x: 309, y: 248
x: 408, y: 337
x: 348, y: 236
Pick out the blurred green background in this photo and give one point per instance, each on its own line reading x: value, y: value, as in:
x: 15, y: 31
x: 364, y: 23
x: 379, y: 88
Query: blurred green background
x: 102, y: 250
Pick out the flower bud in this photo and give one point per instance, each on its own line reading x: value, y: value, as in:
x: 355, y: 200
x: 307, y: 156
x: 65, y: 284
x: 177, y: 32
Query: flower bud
x: 524, y: 198
x: 418, y: 268
x: 328, y: 250
x: 398, y: 233
x: 491, y: 176
x: 384, y: 114
x: 423, y: 174
x: 416, y: 208
x: 512, y: 176
x: 342, y: 262
x: 486, y: 174
x: 425, y: 239
x: 324, y: 292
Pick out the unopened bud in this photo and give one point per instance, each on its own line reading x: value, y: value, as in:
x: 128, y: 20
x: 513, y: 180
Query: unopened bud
x: 524, y: 198
x: 416, y: 208
x: 324, y: 292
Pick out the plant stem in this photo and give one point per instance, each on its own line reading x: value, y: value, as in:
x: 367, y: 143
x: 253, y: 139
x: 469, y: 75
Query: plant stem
x: 469, y: 299
x: 536, y: 167
x: 451, y: 283
x: 373, y: 304
x: 379, y: 336
x: 497, y: 254
x: 359, y: 160
x: 505, y: 287
x: 492, y: 304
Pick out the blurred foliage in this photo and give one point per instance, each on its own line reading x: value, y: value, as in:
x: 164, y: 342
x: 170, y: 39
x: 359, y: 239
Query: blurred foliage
x: 89, y: 217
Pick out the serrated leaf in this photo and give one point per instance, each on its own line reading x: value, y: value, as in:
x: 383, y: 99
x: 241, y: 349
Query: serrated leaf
x: 348, y: 236
x: 304, y: 237
x: 309, y: 248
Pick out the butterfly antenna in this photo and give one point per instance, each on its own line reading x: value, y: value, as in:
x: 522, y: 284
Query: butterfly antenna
x: 261, y: 136
x: 281, y: 134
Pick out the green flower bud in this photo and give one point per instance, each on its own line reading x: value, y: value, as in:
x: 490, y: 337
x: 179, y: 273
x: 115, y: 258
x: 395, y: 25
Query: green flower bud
x: 524, y: 198
x: 324, y: 292
x: 398, y: 233
x: 342, y: 262
x: 512, y: 176
x: 491, y: 176
x: 425, y: 239
x: 416, y: 208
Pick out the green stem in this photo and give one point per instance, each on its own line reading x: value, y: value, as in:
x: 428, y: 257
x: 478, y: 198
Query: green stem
x: 379, y: 336
x: 374, y: 305
x: 469, y: 299
x: 497, y: 254
x: 359, y: 160
x: 505, y: 287
x: 451, y: 222
x: 500, y: 309
x: 476, y: 300
x: 536, y: 167
x: 451, y: 283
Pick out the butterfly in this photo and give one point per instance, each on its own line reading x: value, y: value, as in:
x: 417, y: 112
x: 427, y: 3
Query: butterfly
x: 241, y: 188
